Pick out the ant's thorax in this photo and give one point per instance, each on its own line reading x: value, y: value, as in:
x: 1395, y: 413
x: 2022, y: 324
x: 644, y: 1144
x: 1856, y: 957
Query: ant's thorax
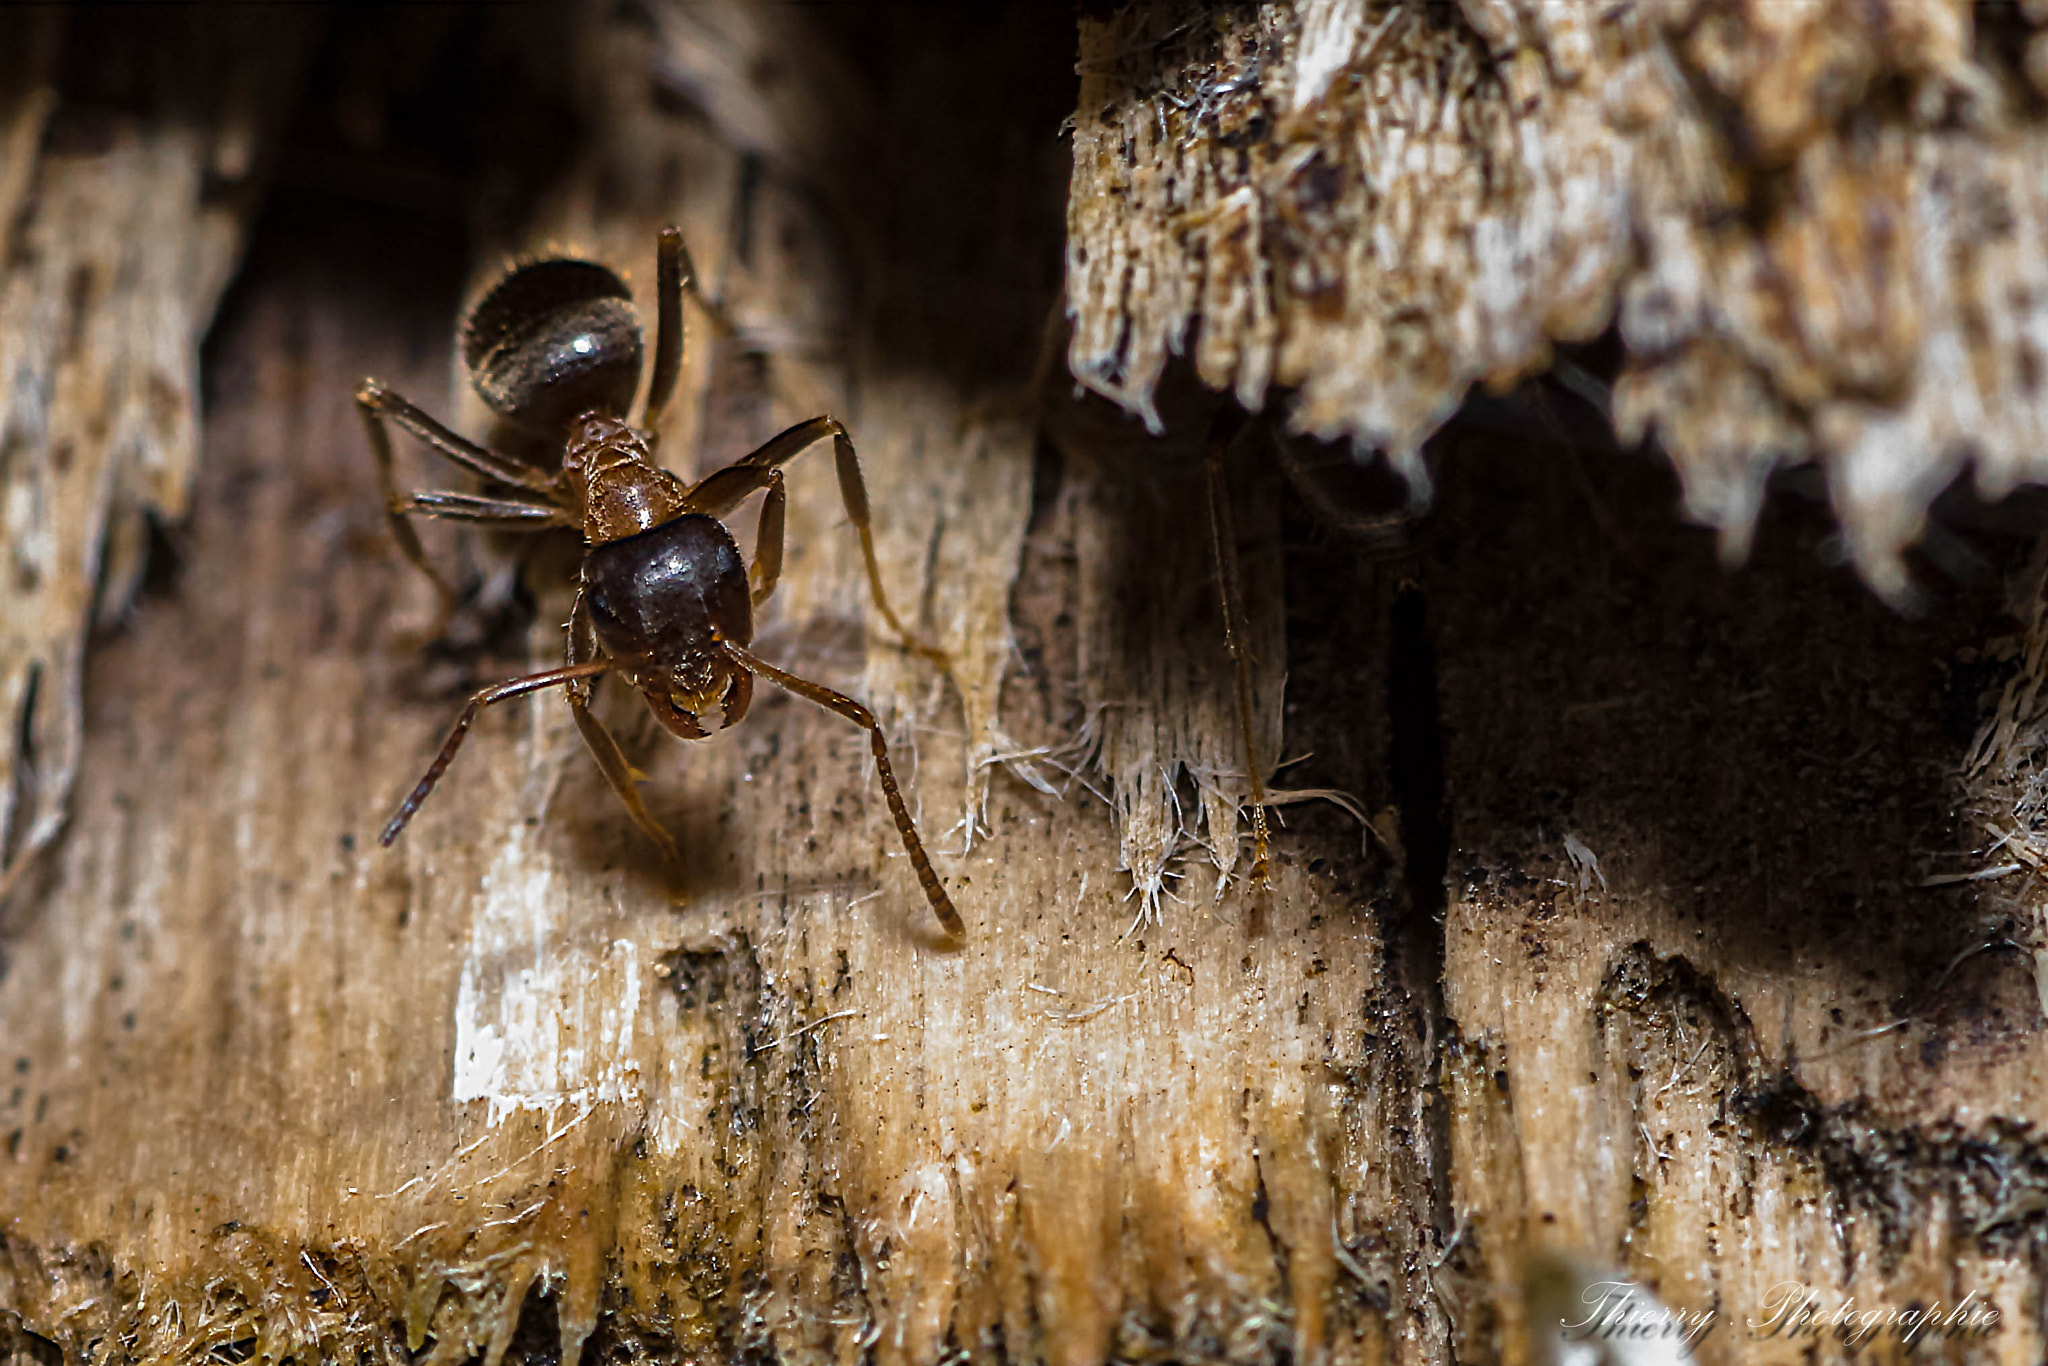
x: 611, y: 472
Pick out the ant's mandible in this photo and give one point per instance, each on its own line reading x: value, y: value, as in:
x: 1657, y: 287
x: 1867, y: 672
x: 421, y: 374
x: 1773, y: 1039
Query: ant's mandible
x: 664, y: 600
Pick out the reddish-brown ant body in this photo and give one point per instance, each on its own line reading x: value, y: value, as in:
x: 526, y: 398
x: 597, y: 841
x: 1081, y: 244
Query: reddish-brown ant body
x: 665, y: 599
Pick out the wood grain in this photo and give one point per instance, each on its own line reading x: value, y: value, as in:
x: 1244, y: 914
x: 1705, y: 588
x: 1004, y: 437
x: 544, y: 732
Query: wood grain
x: 123, y: 202
x: 1632, y: 972
x: 321, y: 1099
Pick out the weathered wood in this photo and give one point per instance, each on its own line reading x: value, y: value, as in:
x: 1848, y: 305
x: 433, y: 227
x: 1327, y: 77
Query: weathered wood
x: 306, y: 1097
x: 1671, y: 1055
x: 1631, y: 974
x: 122, y: 210
x: 1816, y: 227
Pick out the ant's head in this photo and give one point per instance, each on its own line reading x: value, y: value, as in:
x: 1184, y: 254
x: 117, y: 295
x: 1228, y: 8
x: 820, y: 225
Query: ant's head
x: 554, y: 340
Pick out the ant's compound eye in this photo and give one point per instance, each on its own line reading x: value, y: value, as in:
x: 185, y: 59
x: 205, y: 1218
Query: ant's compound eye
x: 555, y: 340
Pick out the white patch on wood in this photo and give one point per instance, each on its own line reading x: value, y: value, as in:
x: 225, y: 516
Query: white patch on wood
x: 1330, y: 30
x: 542, y: 1021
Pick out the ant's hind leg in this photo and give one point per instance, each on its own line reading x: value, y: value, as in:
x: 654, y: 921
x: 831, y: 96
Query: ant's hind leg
x: 378, y: 403
x: 673, y: 274
x: 603, y: 748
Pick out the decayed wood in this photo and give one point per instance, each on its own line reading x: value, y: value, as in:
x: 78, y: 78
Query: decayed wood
x: 1766, y: 1042
x: 1637, y: 977
x: 1817, y: 228
x: 284, y: 1094
x: 122, y: 209
x: 1698, y: 1031
x: 2001, y: 777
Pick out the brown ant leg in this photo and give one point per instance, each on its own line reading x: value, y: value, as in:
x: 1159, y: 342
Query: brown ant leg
x: 517, y: 687
x: 766, y: 570
x: 603, y: 748
x: 376, y: 403
x: 853, y: 491
x: 686, y: 282
x: 396, y: 505
x: 500, y: 512
x: 673, y: 274
x: 1223, y: 530
x: 934, y: 891
x: 379, y: 403
x: 723, y: 490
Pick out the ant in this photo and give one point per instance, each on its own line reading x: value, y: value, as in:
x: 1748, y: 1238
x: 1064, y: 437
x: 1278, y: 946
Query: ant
x: 665, y: 600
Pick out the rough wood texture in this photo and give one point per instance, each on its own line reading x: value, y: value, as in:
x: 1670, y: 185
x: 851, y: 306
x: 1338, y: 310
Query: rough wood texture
x: 491, y: 1093
x: 1818, y: 227
x: 1634, y: 971
x: 123, y: 201
x: 1755, y: 1047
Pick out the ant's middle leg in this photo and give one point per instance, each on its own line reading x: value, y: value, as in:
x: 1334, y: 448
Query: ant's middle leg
x: 619, y: 773
x: 376, y: 403
x: 723, y: 490
x: 509, y: 514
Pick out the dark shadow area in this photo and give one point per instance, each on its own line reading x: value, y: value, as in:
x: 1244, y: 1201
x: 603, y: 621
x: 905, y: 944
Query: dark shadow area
x: 1766, y: 748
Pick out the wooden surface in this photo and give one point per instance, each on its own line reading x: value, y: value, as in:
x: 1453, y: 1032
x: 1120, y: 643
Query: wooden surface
x: 371, y: 1099
x: 1816, y: 228
x: 122, y: 214
x: 1632, y: 975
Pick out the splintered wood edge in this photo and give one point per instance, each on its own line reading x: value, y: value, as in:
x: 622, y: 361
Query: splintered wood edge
x: 1377, y: 213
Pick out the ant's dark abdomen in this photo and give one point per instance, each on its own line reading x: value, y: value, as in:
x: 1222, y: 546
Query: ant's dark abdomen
x: 555, y: 339
x: 669, y: 592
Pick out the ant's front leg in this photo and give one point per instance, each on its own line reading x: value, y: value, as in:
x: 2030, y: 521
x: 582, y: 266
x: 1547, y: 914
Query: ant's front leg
x: 574, y: 675
x: 934, y: 890
x: 620, y: 774
x: 723, y: 490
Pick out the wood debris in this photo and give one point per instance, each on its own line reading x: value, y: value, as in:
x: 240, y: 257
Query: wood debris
x: 1821, y: 230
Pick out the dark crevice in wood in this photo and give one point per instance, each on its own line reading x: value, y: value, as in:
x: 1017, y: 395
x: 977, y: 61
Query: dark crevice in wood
x: 1415, y: 772
x: 1415, y: 751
